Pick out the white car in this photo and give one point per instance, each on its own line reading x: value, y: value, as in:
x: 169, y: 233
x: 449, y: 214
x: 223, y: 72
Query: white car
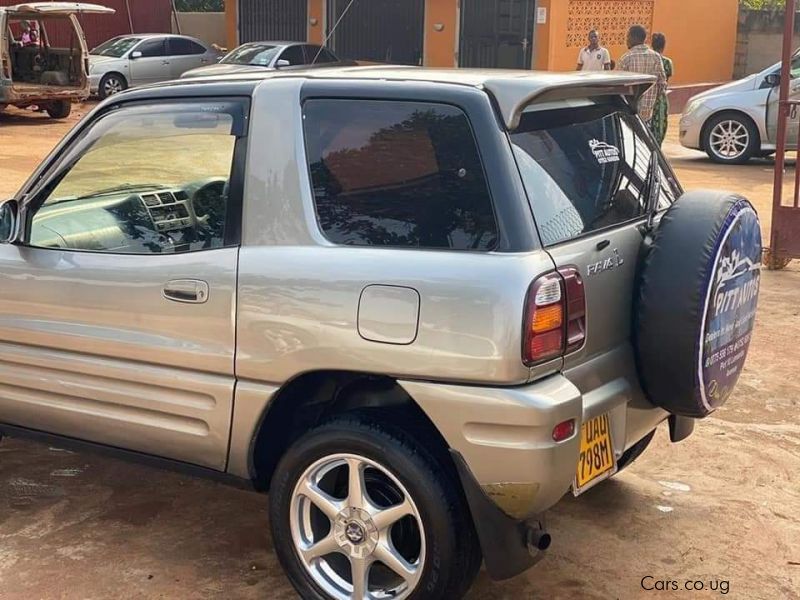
x: 738, y: 121
x: 130, y: 60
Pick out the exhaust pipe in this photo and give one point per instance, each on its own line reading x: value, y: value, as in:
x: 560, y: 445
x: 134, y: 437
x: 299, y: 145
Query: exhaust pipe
x: 538, y: 540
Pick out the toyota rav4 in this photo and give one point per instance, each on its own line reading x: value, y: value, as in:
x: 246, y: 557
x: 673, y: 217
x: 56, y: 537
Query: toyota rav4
x: 416, y: 306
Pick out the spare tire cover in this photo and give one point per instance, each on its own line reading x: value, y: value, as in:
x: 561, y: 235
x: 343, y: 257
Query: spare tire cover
x: 696, y: 306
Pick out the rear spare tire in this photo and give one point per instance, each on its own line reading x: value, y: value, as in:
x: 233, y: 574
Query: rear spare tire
x: 697, y: 300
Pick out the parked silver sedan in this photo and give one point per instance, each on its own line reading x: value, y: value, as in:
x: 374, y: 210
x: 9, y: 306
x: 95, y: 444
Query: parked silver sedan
x: 130, y: 60
x: 258, y: 56
x: 738, y: 121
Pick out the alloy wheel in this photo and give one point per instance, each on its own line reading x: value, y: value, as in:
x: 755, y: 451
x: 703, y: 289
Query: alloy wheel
x: 729, y: 139
x: 112, y: 86
x: 356, y: 529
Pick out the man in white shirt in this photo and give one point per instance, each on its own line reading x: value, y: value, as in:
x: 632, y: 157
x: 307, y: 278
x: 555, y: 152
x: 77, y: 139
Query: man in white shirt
x: 594, y: 57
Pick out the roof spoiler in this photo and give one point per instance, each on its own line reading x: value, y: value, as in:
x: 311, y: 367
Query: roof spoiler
x: 513, y: 95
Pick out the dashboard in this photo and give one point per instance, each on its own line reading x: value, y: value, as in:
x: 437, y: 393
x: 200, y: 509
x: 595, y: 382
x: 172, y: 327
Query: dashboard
x: 164, y: 220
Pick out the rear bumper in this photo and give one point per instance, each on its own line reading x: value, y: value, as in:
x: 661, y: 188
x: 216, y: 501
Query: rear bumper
x: 510, y: 467
x: 505, y: 434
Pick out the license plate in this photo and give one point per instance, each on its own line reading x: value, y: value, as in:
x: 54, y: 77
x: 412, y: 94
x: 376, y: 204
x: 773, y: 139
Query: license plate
x: 596, y: 460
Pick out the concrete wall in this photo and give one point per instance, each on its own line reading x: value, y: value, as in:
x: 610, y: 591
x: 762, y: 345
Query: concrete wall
x: 207, y: 26
x: 760, y: 41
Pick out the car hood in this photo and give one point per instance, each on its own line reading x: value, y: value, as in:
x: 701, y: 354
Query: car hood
x: 750, y: 82
x: 212, y: 70
x: 96, y: 59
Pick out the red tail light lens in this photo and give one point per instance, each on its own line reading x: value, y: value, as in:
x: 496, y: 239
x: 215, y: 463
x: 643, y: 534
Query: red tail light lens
x: 564, y: 430
x: 576, y: 308
x: 555, y: 316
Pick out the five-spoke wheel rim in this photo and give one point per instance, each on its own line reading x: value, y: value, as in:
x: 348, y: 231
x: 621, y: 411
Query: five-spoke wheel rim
x: 729, y: 139
x: 111, y: 86
x: 356, y: 529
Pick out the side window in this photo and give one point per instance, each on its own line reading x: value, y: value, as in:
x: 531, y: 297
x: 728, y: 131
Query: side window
x: 294, y: 54
x: 182, y: 46
x: 156, y: 47
x: 320, y: 54
x: 400, y: 174
x: 144, y: 180
x: 587, y: 169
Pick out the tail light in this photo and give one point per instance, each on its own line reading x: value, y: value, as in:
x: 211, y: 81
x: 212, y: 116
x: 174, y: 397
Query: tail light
x: 555, y: 316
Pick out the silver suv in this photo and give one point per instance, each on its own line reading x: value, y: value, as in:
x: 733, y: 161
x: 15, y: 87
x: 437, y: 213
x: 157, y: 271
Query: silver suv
x: 417, y: 306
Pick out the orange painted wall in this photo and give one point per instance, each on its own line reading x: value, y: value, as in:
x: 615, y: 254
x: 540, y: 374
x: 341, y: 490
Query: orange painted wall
x: 316, y: 10
x: 701, y: 38
x: 231, y: 23
x: 440, y: 46
x: 701, y: 35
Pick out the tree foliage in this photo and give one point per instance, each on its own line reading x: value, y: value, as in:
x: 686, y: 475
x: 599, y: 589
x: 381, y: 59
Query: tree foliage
x: 763, y: 4
x: 199, y: 5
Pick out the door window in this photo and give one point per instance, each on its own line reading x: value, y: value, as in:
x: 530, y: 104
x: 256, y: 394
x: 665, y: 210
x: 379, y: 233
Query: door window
x: 144, y: 180
x: 587, y: 168
x: 402, y: 174
x: 318, y: 55
x: 183, y: 47
x: 149, y: 48
x: 293, y: 54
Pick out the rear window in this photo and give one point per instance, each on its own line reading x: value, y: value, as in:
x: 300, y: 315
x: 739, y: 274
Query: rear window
x: 400, y: 174
x: 586, y: 168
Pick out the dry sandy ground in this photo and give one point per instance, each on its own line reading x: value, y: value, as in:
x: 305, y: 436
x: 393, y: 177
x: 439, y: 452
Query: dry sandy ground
x: 722, y: 507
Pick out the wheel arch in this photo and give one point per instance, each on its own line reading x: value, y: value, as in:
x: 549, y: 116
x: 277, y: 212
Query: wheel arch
x: 728, y: 111
x: 313, y: 397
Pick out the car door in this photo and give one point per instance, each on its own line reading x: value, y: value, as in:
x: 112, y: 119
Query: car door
x: 586, y: 168
x: 793, y: 124
x: 149, y: 62
x: 117, y: 303
x: 185, y: 54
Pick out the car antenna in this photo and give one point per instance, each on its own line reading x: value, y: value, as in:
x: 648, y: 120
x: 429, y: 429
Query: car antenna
x: 333, y: 29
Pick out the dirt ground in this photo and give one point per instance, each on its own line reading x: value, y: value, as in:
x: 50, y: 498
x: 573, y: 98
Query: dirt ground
x: 722, y: 508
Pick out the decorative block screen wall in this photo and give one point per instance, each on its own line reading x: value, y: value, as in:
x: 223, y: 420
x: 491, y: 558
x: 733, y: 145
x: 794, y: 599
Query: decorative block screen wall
x: 611, y: 17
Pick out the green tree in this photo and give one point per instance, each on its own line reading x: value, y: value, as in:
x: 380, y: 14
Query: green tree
x: 199, y: 5
x: 762, y: 4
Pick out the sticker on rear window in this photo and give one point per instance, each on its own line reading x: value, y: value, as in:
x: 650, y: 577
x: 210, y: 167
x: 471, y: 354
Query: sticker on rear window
x: 603, y: 152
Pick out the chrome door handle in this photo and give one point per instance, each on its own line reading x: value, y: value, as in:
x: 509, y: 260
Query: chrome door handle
x: 192, y: 291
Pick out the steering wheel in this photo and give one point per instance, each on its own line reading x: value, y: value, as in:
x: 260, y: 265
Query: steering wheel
x: 210, y: 203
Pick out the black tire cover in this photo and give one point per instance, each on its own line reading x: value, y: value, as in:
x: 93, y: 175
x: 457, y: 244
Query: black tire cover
x: 696, y: 306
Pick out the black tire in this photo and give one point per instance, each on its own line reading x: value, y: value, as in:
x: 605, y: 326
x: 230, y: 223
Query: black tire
x: 635, y: 451
x: 453, y: 552
x: 59, y: 109
x: 110, y: 84
x: 739, y: 123
x: 698, y: 294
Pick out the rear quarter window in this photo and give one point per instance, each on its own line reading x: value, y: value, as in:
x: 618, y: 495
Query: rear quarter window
x: 398, y: 174
x: 587, y: 169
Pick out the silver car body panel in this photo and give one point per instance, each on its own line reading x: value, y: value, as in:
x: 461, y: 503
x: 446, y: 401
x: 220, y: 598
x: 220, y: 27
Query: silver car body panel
x: 91, y: 349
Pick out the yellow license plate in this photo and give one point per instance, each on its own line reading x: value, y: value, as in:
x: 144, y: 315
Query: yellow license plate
x: 596, y: 460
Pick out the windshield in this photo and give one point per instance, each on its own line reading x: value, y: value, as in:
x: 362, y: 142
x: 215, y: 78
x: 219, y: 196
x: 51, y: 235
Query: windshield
x: 588, y: 168
x: 251, y: 54
x: 115, y: 47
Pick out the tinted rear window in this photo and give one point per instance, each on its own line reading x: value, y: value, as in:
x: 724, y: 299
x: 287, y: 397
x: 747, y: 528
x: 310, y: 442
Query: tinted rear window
x: 402, y: 174
x: 586, y: 169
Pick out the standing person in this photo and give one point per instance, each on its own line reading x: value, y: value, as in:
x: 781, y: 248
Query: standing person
x: 594, y: 57
x: 661, y: 110
x: 641, y: 59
